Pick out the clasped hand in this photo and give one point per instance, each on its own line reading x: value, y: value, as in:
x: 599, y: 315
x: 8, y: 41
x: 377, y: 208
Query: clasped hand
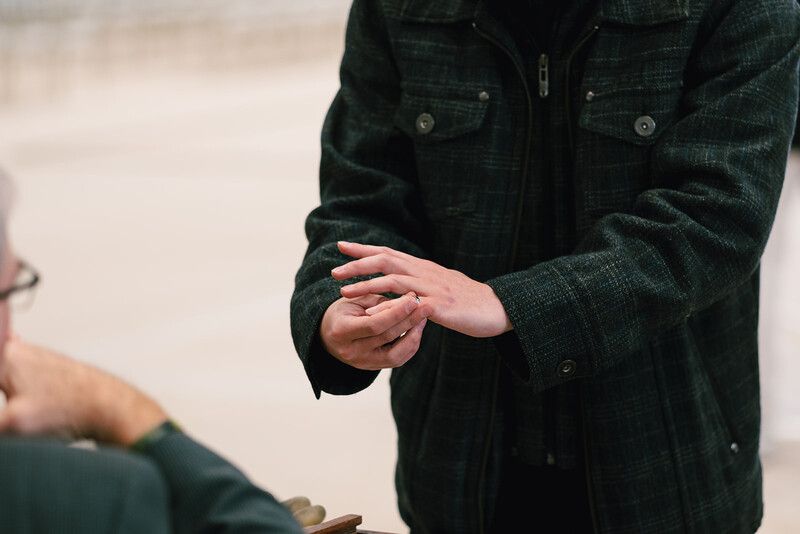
x: 363, y: 329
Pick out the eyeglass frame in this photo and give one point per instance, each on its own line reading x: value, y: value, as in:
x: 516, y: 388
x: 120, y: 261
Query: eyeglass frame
x: 33, y: 282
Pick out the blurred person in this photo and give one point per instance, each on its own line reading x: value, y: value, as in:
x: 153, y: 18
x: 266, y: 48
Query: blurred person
x: 571, y: 199
x: 153, y: 479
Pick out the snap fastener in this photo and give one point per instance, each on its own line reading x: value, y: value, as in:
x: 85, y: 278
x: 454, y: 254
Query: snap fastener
x: 735, y: 448
x: 589, y: 96
x: 483, y: 96
x: 425, y: 123
x: 645, y: 126
x: 567, y: 368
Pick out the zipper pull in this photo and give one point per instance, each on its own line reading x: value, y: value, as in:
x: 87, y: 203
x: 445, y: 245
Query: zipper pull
x: 544, y: 76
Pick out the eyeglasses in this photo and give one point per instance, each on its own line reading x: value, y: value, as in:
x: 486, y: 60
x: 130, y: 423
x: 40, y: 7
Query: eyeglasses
x: 21, y: 293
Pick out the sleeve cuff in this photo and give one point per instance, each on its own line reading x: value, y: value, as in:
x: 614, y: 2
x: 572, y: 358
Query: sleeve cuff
x: 156, y: 435
x: 549, y: 326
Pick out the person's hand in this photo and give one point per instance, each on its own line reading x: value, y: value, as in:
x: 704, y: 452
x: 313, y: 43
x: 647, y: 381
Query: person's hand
x: 448, y: 297
x: 50, y: 394
x: 383, y: 340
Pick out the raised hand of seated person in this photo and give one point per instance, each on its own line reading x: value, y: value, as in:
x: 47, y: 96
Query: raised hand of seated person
x: 50, y: 394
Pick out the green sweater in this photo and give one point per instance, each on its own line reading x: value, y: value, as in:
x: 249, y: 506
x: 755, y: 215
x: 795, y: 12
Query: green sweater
x: 174, y: 485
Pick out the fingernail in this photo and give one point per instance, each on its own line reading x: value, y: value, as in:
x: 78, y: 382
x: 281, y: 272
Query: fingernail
x: 343, y: 243
x: 336, y: 270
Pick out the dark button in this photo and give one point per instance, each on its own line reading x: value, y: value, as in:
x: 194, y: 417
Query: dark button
x: 645, y: 126
x: 551, y: 459
x: 735, y: 448
x: 483, y: 96
x: 425, y: 123
x: 567, y: 368
x: 589, y: 96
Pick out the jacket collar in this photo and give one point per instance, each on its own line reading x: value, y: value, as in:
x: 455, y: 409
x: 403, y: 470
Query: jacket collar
x: 629, y: 12
x: 643, y: 12
x: 438, y: 11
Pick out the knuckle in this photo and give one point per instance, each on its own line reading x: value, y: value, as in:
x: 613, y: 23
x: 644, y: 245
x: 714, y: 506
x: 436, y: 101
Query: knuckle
x: 373, y: 329
x: 347, y: 356
x: 336, y: 332
x: 387, y: 337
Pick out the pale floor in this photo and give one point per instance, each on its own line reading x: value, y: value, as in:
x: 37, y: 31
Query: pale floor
x: 167, y: 219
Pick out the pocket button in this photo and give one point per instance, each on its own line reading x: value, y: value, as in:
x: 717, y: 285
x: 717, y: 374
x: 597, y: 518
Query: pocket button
x: 425, y: 123
x: 567, y: 368
x: 644, y: 126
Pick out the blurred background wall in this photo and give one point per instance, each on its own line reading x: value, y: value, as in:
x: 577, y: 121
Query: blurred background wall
x: 166, y: 156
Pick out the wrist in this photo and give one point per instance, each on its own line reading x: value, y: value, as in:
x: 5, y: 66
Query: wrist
x: 135, y: 427
x: 503, y: 322
x: 125, y: 416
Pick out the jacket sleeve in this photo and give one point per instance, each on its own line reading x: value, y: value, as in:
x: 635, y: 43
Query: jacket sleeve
x: 208, y: 494
x: 368, y: 190
x: 679, y: 249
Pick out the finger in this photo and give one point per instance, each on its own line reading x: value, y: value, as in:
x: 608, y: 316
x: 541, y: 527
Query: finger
x: 391, y: 283
x: 357, y: 250
x: 405, y: 348
x: 394, y: 333
x: 369, y: 326
x: 380, y: 263
x: 369, y: 301
x: 390, y: 303
x: 380, y: 307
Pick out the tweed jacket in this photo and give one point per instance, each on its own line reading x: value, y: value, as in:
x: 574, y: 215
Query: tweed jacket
x: 680, y: 117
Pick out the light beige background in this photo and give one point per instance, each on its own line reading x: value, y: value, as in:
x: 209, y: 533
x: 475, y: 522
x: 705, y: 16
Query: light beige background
x: 165, y: 207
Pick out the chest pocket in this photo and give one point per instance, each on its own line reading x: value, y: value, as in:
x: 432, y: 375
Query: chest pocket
x: 636, y: 115
x: 448, y: 141
x: 617, y: 130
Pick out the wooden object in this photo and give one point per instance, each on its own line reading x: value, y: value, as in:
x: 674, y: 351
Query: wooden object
x: 347, y: 524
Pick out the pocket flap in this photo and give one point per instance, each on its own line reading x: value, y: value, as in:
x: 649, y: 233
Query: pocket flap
x: 437, y: 119
x: 637, y: 115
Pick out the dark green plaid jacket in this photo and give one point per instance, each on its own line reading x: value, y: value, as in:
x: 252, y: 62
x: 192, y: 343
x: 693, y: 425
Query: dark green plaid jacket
x: 680, y: 128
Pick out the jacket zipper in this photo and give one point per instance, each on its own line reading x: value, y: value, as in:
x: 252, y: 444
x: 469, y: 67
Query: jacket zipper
x: 571, y: 143
x: 512, y: 261
x: 587, y: 464
x: 544, y: 76
x: 544, y: 90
